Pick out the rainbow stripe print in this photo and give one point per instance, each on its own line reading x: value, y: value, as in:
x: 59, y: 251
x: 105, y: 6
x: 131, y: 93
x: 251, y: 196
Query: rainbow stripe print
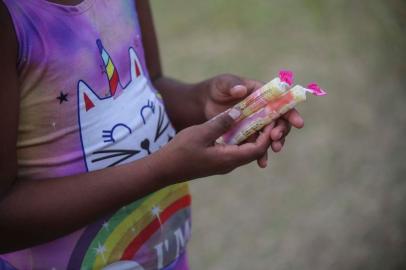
x: 137, y: 233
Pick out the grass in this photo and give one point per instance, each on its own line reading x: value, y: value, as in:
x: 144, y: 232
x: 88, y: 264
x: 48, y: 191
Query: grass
x: 335, y: 197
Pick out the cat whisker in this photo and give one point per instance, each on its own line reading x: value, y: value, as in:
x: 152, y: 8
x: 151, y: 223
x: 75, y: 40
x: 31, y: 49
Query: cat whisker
x: 116, y: 153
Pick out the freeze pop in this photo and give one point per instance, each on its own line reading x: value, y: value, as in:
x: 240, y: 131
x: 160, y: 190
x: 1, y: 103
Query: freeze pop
x: 271, y: 111
x: 268, y: 92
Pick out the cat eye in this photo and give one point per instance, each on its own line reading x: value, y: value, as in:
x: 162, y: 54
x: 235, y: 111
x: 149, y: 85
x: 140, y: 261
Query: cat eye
x: 119, y: 130
x: 151, y: 106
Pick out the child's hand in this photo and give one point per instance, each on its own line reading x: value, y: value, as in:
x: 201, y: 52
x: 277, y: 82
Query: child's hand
x: 226, y: 90
x: 193, y: 152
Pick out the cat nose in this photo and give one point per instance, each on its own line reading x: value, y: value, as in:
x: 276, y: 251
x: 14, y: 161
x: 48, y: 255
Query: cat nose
x: 145, y: 144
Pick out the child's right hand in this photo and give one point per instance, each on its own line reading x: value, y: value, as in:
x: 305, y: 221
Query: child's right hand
x: 193, y: 152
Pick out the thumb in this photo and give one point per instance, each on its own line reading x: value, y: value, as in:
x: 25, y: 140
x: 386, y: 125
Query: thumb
x: 238, y: 91
x: 219, y: 124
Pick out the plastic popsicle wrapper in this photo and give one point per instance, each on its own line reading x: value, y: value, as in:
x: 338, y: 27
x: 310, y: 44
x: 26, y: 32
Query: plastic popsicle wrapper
x: 268, y: 92
x: 273, y: 110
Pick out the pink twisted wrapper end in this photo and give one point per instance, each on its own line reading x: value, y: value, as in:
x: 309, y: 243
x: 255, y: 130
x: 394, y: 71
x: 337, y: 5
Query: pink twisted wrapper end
x: 286, y: 76
x: 315, y: 89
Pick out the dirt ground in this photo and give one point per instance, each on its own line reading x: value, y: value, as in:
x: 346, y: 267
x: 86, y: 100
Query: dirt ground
x: 335, y: 197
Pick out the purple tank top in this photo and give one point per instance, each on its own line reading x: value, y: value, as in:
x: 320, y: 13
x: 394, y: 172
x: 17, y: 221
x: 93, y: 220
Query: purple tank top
x: 86, y: 104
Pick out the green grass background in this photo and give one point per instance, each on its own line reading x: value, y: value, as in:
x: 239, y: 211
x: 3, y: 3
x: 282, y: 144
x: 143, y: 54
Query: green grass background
x: 335, y: 197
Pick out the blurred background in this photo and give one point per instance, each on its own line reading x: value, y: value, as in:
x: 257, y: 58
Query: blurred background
x: 335, y: 197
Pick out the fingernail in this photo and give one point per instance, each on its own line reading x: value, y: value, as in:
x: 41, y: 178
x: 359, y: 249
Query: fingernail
x: 234, y: 113
x: 280, y: 134
x: 238, y: 89
x: 301, y: 123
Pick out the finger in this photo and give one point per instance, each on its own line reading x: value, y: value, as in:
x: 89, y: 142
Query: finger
x: 235, y: 87
x: 287, y: 131
x: 248, y: 152
x: 225, y: 83
x: 252, y: 85
x: 238, y: 91
x: 294, y: 118
x: 281, y: 128
x: 277, y: 146
x: 255, y: 150
x: 217, y: 126
x: 252, y: 138
x: 268, y: 128
x: 263, y: 161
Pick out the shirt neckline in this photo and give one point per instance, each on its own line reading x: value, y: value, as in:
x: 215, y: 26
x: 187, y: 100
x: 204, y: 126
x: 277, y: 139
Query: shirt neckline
x: 69, y: 9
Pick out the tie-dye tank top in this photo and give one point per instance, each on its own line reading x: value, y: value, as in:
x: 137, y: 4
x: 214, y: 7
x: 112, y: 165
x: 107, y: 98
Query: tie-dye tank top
x: 87, y: 103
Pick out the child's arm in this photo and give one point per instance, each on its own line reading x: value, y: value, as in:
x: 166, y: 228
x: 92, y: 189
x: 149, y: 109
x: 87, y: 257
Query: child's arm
x: 191, y: 104
x: 173, y: 92
x: 37, y: 211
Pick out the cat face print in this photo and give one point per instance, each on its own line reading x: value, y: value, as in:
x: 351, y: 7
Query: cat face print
x: 127, y: 124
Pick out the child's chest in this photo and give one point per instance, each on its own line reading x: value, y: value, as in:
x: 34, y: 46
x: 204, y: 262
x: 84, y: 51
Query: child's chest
x: 85, y: 92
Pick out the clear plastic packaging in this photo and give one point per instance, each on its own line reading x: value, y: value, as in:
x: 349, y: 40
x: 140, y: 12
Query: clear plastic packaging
x: 272, y: 110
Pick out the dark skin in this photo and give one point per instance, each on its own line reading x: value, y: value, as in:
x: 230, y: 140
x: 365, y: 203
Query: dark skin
x: 35, y: 218
x: 206, y: 99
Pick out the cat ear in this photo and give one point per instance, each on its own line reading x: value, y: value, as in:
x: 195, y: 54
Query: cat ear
x: 87, y: 98
x: 136, y: 68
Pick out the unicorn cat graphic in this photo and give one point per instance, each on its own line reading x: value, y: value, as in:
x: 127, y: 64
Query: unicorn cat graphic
x: 128, y: 124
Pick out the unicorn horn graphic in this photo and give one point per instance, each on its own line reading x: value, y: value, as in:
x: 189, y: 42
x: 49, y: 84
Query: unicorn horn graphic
x: 112, y: 74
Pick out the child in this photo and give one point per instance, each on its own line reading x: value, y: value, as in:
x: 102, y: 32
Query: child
x: 97, y: 177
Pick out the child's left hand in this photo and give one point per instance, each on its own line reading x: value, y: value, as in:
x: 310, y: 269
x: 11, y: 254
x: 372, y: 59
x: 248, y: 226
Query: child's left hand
x: 226, y: 90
